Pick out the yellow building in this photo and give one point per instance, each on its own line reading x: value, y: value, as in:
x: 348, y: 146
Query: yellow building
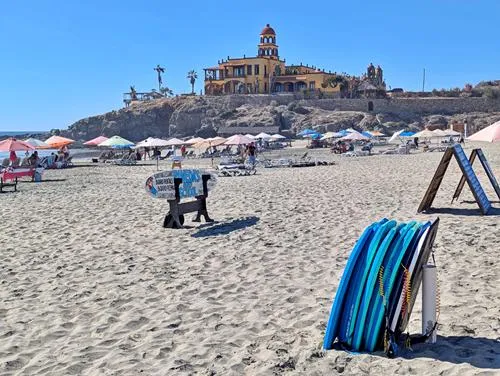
x: 266, y: 73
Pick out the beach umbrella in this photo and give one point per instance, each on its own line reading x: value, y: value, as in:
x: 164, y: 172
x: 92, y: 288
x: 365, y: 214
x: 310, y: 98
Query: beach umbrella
x: 425, y: 134
x: 354, y: 136
x: 57, y: 142
x: 451, y: 132
x: 306, y: 132
x: 367, y: 134
x: 116, y: 142
x: 277, y: 136
x: 350, y: 130
x: 151, y: 142
x: 95, y: 141
x: 488, y: 134
x: 329, y: 135
x: 215, y: 141
x: 239, y: 139
x: 395, y: 138
x: 174, y: 142
x: 194, y: 140
x: 407, y: 134
x: 36, y: 143
x: 249, y: 135
x: 263, y: 136
x: 11, y: 144
x: 376, y: 133
x: 439, y: 133
x: 343, y: 132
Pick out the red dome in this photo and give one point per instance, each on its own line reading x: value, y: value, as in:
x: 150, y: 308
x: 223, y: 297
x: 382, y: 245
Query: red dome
x: 268, y: 30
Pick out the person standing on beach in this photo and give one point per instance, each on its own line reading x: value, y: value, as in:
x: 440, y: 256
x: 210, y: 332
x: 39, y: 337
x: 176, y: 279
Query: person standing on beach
x: 251, y: 153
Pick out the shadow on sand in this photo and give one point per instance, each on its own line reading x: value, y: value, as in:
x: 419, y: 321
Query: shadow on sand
x: 463, y: 211
x: 479, y: 352
x: 224, y: 228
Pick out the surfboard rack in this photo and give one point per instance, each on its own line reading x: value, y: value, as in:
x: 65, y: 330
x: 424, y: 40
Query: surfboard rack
x: 175, y: 216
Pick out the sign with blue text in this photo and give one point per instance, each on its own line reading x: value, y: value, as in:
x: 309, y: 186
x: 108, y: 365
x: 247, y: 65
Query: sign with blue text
x: 162, y: 184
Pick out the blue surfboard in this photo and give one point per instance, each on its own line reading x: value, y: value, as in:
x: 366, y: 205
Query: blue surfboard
x: 371, y: 287
x: 357, y: 286
x: 391, y: 265
x: 338, y: 303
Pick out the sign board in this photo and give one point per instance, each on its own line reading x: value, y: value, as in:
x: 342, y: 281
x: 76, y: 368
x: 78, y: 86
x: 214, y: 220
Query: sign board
x: 468, y: 174
x: 161, y: 184
x: 489, y: 172
x: 471, y: 178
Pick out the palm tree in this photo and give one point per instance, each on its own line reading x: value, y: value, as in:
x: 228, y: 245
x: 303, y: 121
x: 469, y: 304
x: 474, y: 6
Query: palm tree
x: 192, y: 75
x: 133, y: 93
x: 159, y: 70
x: 166, y: 91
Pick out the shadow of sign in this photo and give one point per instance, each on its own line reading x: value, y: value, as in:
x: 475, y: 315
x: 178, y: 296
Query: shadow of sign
x: 479, y: 352
x: 225, y: 228
x: 463, y: 211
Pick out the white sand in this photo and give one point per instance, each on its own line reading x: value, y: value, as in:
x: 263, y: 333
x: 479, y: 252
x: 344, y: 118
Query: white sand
x: 92, y: 284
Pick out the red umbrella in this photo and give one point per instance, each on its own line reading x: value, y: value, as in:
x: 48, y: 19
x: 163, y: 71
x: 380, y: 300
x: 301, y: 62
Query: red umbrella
x: 11, y: 144
x: 95, y: 141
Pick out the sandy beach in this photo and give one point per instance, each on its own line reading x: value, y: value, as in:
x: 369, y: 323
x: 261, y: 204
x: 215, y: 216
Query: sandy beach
x: 92, y: 284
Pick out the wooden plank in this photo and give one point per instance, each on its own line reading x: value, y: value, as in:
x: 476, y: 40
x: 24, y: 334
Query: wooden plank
x: 461, y: 183
x: 430, y: 194
x: 474, y: 184
x: 489, y: 171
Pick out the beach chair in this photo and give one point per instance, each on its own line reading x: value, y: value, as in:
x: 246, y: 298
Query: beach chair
x: 5, y: 162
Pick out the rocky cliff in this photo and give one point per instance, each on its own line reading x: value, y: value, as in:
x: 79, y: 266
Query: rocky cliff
x: 203, y: 116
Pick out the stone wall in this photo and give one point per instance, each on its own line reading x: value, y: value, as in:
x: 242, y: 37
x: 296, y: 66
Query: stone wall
x: 421, y: 106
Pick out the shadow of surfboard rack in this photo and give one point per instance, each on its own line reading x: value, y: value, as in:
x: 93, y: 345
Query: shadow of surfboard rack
x: 468, y: 176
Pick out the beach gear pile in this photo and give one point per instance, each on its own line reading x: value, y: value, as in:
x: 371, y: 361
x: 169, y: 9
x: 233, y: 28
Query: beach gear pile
x: 375, y: 297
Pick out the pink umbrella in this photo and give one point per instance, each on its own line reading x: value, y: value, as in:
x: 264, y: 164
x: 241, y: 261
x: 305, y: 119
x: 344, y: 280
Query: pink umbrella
x: 239, y: 139
x: 488, y: 134
x: 11, y: 144
x: 95, y: 141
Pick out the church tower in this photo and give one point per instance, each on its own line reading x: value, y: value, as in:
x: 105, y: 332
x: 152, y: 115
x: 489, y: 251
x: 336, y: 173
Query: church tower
x: 267, y: 45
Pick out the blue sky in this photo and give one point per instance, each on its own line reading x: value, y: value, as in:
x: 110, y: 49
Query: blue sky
x: 61, y: 60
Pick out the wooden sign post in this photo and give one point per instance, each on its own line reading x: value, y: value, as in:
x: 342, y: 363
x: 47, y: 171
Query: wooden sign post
x: 468, y: 175
x: 179, y: 184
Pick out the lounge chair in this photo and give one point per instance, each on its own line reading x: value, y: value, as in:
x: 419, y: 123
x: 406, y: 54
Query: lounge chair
x: 5, y: 162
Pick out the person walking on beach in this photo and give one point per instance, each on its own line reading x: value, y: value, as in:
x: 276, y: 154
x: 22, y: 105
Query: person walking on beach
x: 251, y: 154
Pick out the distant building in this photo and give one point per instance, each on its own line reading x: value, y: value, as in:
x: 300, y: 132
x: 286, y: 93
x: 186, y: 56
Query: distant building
x: 266, y: 73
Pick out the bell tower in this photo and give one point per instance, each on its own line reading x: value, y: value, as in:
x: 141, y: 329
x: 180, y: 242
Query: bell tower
x: 267, y: 46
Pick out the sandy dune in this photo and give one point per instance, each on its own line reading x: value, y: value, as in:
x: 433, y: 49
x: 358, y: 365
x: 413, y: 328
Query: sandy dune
x: 92, y: 284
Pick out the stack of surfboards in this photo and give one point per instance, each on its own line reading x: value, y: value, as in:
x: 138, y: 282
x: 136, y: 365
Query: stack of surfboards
x: 379, y: 286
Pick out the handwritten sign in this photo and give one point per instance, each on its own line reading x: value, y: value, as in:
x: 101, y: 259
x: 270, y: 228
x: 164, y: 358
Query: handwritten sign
x: 161, y: 184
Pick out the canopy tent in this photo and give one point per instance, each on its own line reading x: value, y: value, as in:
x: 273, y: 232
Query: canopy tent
x: 36, y: 143
x: 239, y: 139
x: 116, y: 142
x: 151, y: 142
x: 355, y: 136
x: 57, y: 142
x: 95, y: 141
x: 11, y: 144
x: 194, y: 140
x: 263, y: 136
x: 439, y: 133
x: 488, y: 134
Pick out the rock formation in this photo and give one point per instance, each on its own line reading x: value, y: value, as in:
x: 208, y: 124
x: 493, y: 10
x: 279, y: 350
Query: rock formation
x: 203, y: 116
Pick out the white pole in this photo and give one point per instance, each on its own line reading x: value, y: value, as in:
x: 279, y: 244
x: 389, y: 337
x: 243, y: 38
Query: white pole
x: 429, y: 281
